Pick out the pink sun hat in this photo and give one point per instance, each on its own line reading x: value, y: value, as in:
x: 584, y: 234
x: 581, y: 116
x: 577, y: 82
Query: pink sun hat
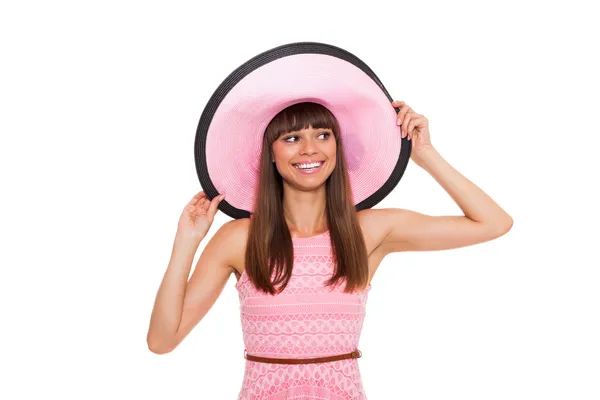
x: 229, y: 137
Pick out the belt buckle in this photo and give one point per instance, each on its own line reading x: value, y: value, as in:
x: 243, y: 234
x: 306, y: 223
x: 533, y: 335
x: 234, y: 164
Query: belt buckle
x: 356, y: 354
x: 245, y: 353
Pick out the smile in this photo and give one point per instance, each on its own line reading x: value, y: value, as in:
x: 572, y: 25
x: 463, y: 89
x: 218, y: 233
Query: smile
x: 309, y: 168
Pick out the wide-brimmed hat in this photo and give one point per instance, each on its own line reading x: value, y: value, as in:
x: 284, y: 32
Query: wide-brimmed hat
x: 229, y: 137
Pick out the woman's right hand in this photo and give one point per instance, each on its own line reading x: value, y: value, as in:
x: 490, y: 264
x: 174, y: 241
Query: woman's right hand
x: 198, y: 216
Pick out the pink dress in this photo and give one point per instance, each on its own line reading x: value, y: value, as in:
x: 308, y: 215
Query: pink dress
x: 306, y: 320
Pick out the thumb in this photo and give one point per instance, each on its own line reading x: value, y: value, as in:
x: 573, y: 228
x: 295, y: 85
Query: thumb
x: 214, y: 204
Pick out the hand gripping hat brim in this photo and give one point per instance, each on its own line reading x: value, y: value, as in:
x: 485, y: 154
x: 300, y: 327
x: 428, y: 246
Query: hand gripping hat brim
x: 230, y: 133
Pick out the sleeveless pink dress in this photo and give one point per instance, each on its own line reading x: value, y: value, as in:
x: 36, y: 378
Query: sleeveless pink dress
x: 306, y: 320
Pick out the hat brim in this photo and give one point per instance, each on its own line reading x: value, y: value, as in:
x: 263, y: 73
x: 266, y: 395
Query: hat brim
x: 231, y: 128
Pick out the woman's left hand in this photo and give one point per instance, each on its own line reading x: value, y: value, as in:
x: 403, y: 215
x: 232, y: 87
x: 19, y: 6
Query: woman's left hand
x: 416, y: 127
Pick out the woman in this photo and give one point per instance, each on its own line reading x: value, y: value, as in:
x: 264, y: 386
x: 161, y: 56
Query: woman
x: 321, y: 255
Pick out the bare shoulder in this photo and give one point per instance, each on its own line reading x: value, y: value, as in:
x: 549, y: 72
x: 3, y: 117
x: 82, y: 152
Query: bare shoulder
x: 233, y: 236
x: 397, y: 229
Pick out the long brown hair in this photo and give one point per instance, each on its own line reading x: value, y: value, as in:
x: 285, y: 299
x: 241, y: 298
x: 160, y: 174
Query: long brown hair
x: 270, y: 247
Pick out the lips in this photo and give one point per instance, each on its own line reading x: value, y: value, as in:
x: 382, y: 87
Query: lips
x: 309, y: 171
x: 309, y: 162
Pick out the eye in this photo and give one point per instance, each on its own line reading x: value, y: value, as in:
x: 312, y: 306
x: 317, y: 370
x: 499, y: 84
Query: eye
x: 295, y: 137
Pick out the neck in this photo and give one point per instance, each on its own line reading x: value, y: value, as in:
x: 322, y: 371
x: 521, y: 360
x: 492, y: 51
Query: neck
x: 305, y: 212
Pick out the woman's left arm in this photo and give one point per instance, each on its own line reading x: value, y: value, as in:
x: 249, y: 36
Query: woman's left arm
x: 406, y: 230
x: 474, y: 202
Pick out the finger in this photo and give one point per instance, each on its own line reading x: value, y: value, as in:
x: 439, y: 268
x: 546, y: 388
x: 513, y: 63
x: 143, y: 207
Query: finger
x: 398, y: 104
x: 214, y: 204
x: 197, y: 197
x: 407, y: 118
x: 409, y: 115
x: 402, y: 114
x: 416, y: 121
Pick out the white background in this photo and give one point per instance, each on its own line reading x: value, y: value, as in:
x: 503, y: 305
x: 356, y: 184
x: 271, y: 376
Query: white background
x: 100, y: 103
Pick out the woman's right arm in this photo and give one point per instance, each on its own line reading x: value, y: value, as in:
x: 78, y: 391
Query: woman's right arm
x: 181, y: 304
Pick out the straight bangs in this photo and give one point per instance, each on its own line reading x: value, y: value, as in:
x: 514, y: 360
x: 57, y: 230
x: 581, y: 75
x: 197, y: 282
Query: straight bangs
x: 300, y: 116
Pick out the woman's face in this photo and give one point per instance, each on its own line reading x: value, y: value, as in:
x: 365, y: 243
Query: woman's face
x: 293, y: 149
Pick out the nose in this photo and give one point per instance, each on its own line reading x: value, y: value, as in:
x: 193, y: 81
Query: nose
x: 309, y: 147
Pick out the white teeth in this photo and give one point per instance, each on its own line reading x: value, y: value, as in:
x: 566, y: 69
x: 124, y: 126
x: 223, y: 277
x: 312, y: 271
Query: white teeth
x: 308, y: 166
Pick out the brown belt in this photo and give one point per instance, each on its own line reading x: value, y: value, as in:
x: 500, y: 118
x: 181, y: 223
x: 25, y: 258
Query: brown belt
x: 355, y: 354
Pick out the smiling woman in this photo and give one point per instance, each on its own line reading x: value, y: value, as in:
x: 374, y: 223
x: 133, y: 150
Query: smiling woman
x: 297, y: 244
x: 295, y: 140
x: 306, y: 286
x: 303, y: 141
x: 306, y: 242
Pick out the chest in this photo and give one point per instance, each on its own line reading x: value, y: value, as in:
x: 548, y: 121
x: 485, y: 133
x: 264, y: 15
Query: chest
x: 375, y: 256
